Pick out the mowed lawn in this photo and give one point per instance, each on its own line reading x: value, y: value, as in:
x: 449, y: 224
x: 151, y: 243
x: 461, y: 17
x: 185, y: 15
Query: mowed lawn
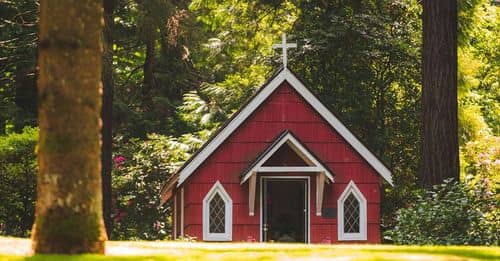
x: 18, y: 249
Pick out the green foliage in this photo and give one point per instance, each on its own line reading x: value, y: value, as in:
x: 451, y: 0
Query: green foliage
x: 141, y: 167
x: 202, y: 114
x: 479, y: 70
x: 481, y: 160
x: 18, y: 42
x: 451, y: 214
x: 17, y: 182
x: 362, y: 58
x: 235, y: 55
x: 141, y: 107
x: 479, y: 93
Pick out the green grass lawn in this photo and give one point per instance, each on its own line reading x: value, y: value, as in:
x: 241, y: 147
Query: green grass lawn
x: 18, y: 249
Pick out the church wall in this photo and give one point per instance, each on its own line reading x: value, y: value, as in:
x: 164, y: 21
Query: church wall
x: 284, y: 109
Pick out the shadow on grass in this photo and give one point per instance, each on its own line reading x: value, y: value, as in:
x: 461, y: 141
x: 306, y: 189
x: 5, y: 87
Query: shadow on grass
x: 481, y: 253
x: 292, y: 251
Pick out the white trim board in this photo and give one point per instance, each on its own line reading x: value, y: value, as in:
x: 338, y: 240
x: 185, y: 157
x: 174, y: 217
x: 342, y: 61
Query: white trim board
x: 308, y: 202
x: 266, y: 91
x: 174, y: 228
x: 314, y: 164
x: 182, y: 212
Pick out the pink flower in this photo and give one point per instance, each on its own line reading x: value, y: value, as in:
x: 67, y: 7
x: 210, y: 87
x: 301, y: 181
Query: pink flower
x: 120, y: 215
x: 158, y: 225
x: 118, y: 160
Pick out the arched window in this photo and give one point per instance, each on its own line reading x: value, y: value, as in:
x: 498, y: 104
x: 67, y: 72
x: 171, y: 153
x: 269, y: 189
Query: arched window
x: 352, y: 221
x: 217, y: 214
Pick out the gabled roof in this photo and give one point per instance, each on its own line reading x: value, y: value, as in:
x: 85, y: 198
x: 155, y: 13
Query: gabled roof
x: 298, y: 147
x: 265, y: 91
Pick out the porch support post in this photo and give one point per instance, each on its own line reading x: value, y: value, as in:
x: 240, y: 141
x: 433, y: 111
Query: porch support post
x: 320, y: 187
x: 251, y: 193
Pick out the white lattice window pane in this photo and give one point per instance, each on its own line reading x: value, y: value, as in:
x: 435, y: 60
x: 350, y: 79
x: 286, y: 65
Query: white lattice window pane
x: 351, y: 214
x: 217, y: 214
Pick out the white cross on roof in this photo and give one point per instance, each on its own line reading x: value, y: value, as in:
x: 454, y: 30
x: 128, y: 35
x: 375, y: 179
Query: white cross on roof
x: 284, y: 46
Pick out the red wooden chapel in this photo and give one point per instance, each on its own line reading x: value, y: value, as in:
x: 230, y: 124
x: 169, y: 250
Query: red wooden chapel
x: 282, y: 169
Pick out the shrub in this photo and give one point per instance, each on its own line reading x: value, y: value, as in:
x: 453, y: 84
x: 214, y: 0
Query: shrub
x: 481, y: 158
x: 18, y: 180
x: 141, y: 167
x: 450, y: 214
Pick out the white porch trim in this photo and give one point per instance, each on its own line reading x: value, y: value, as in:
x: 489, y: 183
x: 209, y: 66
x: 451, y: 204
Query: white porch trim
x: 297, y: 147
x: 315, y: 166
x: 308, y: 203
x: 175, y: 216
x: 182, y: 212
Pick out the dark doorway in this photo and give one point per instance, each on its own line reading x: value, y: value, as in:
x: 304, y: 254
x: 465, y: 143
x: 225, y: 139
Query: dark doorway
x: 285, y: 210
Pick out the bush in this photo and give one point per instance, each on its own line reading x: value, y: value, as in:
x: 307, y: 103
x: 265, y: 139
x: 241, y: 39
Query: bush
x: 481, y: 158
x: 451, y: 214
x: 141, y: 167
x: 18, y: 180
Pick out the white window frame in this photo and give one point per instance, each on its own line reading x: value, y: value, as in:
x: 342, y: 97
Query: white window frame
x: 228, y: 203
x: 362, y: 235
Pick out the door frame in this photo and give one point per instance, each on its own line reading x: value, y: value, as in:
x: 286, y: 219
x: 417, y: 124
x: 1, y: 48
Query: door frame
x: 307, y: 222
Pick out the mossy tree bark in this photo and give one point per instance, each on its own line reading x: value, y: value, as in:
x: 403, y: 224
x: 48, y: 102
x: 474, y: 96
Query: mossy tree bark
x: 69, y: 201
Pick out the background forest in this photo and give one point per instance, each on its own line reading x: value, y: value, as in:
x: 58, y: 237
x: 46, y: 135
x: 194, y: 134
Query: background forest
x: 179, y: 69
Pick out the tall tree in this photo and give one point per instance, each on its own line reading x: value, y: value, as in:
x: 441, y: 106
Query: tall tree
x: 18, y: 47
x: 107, y: 113
x: 151, y: 26
x: 69, y: 201
x: 439, y: 92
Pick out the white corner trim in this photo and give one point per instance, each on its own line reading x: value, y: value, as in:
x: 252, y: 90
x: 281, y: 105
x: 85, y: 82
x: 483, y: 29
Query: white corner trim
x: 314, y: 164
x: 363, y: 223
x: 217, y: 188
x: 182, y: 212
x: 174, y: 227
x: 284, y: 75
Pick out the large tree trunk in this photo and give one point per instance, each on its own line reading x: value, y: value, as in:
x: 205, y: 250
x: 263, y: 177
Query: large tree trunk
x: 439, y: 92
x: 107, y: 114
x: 69, y: 202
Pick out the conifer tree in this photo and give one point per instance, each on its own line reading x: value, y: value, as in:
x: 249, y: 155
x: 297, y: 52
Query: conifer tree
x: 439, y: 92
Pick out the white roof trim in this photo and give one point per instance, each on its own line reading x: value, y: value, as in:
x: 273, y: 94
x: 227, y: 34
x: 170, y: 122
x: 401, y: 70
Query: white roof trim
x: 314, y: 164
x: 284, y: 75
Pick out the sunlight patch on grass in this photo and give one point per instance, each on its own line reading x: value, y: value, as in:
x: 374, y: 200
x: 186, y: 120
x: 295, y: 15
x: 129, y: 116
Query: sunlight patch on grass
x: 169, y: 250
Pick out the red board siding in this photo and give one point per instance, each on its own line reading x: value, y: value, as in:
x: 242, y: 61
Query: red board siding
x: 323, y: 233
x: 284, y: 109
